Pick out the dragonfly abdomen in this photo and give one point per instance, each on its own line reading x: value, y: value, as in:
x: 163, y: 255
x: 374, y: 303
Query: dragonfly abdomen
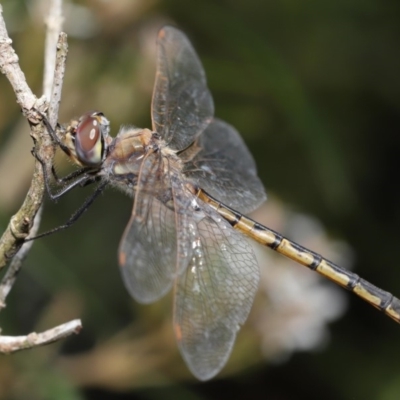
x: 375, y: 296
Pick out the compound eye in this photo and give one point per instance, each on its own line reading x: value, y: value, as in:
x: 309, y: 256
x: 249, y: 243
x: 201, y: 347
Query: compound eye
x: 88, y: 140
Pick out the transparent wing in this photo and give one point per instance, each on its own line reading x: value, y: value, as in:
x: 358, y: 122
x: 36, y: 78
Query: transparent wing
x: 225, y: 168
x: 182, y: 105
x: 147, y: 252
x: 213, y: 296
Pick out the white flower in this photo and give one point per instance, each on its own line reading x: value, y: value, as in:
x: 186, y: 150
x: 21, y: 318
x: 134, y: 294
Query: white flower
x: 294, y: 304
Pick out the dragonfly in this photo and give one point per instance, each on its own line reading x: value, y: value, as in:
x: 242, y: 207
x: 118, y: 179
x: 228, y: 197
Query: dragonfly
x: 193, y: 180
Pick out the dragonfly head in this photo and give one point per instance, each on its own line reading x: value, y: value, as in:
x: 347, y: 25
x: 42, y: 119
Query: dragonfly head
x: 88, y: 138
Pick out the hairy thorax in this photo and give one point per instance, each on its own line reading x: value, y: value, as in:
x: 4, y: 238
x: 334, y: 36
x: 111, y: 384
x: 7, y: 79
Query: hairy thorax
x: 125, y: 156
x: 129, y: 150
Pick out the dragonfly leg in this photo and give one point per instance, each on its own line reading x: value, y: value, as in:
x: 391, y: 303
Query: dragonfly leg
x: 82, y: 174
x: 53, y: 134
x: 68, y: 177
x: 76, y: 215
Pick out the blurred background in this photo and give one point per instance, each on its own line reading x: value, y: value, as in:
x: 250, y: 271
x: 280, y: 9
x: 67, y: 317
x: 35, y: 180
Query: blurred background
x: 314, y: 89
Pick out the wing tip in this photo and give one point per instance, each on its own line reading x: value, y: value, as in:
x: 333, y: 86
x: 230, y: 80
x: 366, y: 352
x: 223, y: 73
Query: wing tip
x: 178, y: 332
x: 162, y: 33
x: 122, y: 258
x: 168, y: 29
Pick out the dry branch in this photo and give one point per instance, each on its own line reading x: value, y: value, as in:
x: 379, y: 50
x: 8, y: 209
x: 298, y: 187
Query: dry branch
x: 12, y: 245
x: 21, y: 222
x: 11, y: 344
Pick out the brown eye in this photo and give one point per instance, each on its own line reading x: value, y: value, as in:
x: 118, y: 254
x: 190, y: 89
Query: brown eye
x: 88, y: 141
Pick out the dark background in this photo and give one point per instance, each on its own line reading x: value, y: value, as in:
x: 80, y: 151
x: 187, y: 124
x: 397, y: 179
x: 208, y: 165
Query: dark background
x: 313, y: 86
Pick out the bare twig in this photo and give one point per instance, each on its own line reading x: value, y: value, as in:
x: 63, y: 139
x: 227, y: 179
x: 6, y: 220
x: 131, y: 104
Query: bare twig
x: 11, y: 344
x: 61, y: 58
x: 54, y: 22
x: 55, y: 59
x: 21, y: 224
x: 11, y: 275
x: 10, y: 68
x: 56, y: 53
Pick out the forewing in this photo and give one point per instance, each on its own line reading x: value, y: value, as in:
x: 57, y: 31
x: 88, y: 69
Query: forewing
x: 214, y: 294
x: 182, y: 105
x: 147, y: 252
x: 225, y: 169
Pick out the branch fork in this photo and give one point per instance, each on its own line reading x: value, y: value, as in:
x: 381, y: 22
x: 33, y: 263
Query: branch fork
x: 25, y: 223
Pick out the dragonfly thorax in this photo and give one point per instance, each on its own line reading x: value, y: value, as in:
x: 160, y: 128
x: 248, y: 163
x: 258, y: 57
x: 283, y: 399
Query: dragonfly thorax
x: 125, y: 156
